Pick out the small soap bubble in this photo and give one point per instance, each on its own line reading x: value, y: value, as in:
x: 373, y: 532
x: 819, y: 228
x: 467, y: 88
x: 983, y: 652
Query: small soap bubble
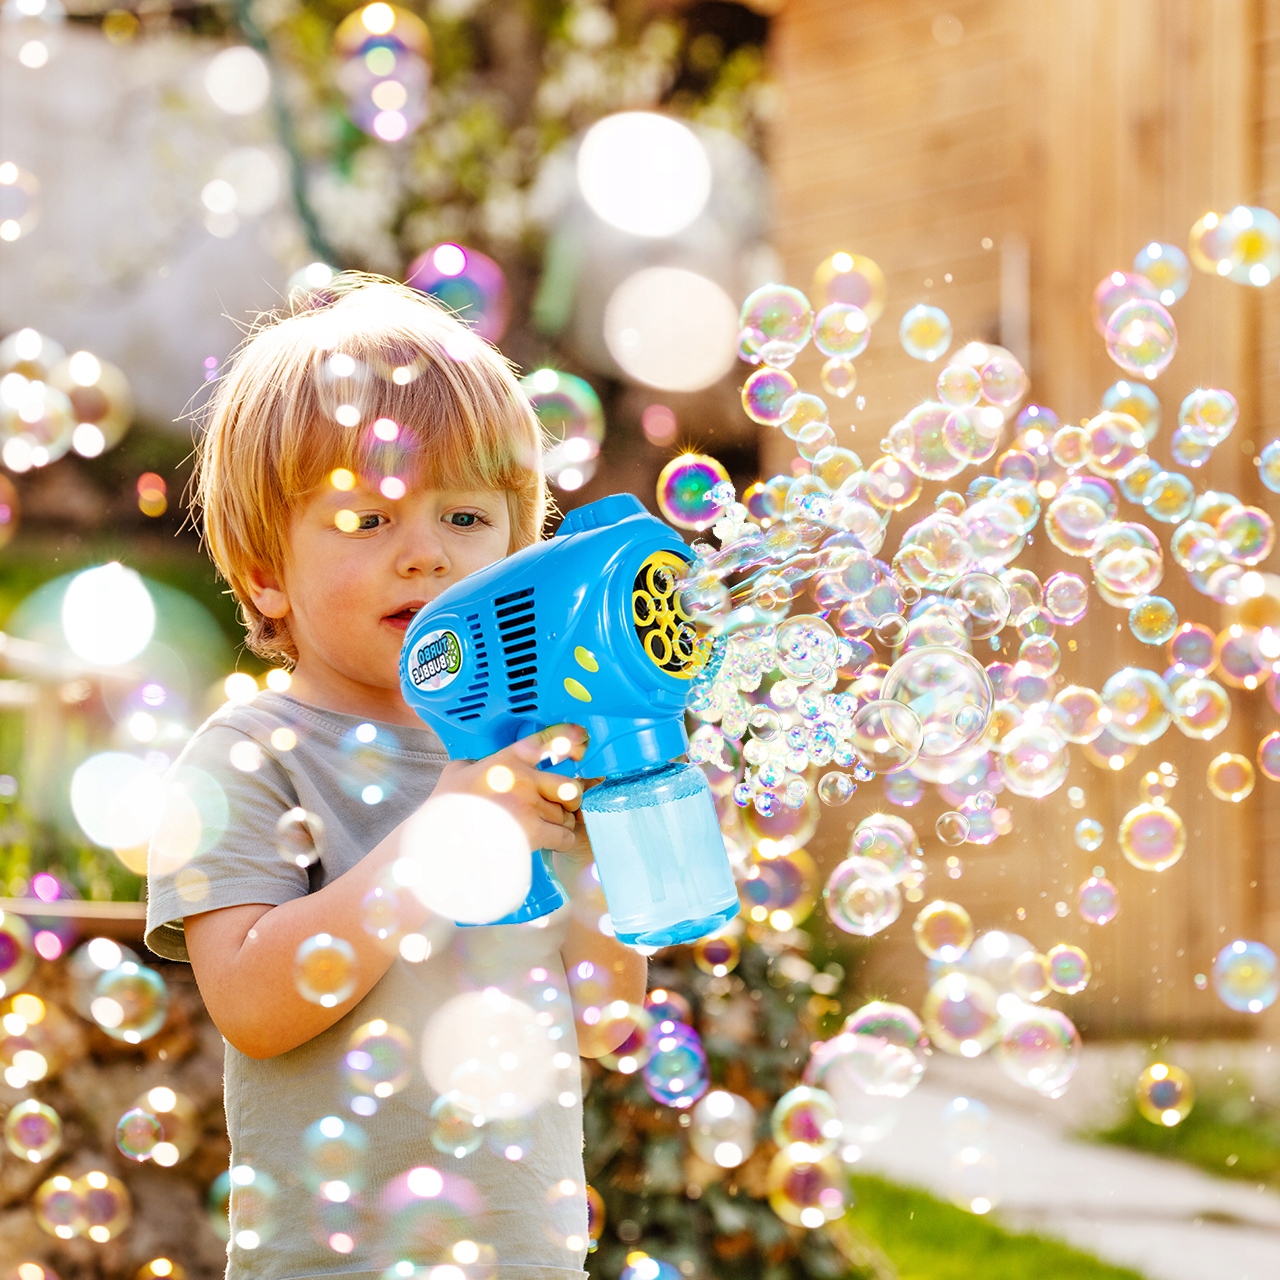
x: 1230, y: 776
x: 1152, y: 837
x: 961, y: 1015
x: 1141, y: 338
x: 138, y: 1133
x: 1167, y: 267
x: 325, y: 970
x: 806, y: 1115
x: 861, y: 897
x: 1153, y: 620
x: 952, y: 827
x: 806, y: 1190
x: 298, y: 833
x: 838, y: 377
x: 1246, y: 976
x: 960, y: 386
x: 1165, y: 1094
x: 455, y: 1130
x: 841, y: 330
x: 130, y: 1002
x: 723, y: 1129
x: 781, y: 315
x: 886, y: 735
x: 1269, y: 465
x: 765, y: 395
x: 836, y: 788
x: 1089, y: 834
x: 1029, y: 976
x: 925, y: 332
x: 33, y: 1131
x: 1098, y: 900
x: 685, y: 491
x: 1040, y: 1049
x: 943, y: 931
x: 1269, y: 756
x: 379, y: 1059
x: 717, y: 955
x: 1069, y: 968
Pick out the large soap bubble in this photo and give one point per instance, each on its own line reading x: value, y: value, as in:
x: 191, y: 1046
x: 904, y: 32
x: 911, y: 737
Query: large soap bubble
x: 1040, y: 1049
x: 949, y: 693
x: 1141, y: 338
x: 108, y: 616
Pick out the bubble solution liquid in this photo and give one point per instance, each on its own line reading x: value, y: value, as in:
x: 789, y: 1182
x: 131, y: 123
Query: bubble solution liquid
x: 660, y: 855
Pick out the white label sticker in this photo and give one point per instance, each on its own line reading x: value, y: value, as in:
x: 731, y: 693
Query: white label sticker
x: 436, y: 660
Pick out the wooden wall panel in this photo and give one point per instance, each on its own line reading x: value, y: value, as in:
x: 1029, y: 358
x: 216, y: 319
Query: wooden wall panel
x: 1083, y: 129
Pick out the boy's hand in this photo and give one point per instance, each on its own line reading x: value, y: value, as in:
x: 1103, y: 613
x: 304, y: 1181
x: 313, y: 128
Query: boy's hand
x: 544, y: 804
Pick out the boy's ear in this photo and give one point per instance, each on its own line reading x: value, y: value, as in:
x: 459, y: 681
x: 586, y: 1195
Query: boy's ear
x: 267, y: 592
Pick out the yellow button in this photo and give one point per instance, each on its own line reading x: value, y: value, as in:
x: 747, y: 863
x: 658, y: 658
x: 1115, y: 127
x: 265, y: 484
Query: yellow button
x: 586, y: 659
x: 575, y: 690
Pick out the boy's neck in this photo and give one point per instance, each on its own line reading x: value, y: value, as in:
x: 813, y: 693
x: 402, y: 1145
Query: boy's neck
x: 333, y: 691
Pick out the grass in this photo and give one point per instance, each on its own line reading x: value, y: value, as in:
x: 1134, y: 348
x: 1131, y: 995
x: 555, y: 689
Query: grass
x: 1225, y: 1133
x: 927, y: 1239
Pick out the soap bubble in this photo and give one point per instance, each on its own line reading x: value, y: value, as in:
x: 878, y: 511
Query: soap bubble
x: 1066, y: 598
x: 473, y: 858
x: 952, y: 827
x: 938, y: 684
x: 138, y: 1133
x: 960, y: 1014
x: 723, y: 1131
x: 806, y: 1115
x: 1252, y: 237
x: 454, y: 1130
x: 836, y: 788
x: 838, y: 377
x: 108, y: 616
x: 297, y: 835
x: 841, y: 330
x: 333, y: 1151
x: 1165, y: 1094
x: 717, y: 955
x: 179, y: 1121
x: 676, y: 1073
x: 107, y: 1207
x: 765, y: 395
x: 1033, y: 760
x: 1088, y: 834
x: 490, y: 1052
x: 925, y: 332
x: 933, y: 440
x: 943, y: 931
x: 1152, y: 837
x: 325, y: 970
x: 130, y: 1002
x: 1269, y: 465
x: 887, y: 839
x: 853, y: 279
x: 1039, y: 1049
x: 1029, y: 976
x: 781, y: 315
x: 886, y: 735
x: 986, y: 603
x: 865, y: 1063
x: 1069, y: 968
x: 1141, y: 338
x: 379, y: 1059
x: 1192, y: 646
x: 1137, y: 401
x: 1153, y: 620
x: 685, y: 487
x: 1004, y: 381
x: 1138, y: 702
x: 1230, y: 776
x: 1246, y: 976
x: 1269, y: 756
x: 1099, y: 900
x: 804, y: 1189
x: 17, y: 955
x: 1167, y: 267
x: 1117, y: 289
x: 33, y: 1131
x: 993, y: 956
x: 1201, y: 708
x: 1168, y: 497
x: 861, y: 897
x: 468, y: 283
x: 59, y: 1207
x: 1246, y: 535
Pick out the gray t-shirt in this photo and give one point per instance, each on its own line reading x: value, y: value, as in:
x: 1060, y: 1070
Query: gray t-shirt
x: 512, y: 1208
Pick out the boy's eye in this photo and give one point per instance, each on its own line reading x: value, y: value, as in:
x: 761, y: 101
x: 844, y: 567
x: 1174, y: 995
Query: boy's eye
x: 357, y: 522
x: 464, y: 519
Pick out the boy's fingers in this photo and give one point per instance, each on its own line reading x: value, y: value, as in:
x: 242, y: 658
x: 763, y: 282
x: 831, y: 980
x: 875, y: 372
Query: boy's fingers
x: 554, y: 837
x: 566, y: 792
x: 557, y: 742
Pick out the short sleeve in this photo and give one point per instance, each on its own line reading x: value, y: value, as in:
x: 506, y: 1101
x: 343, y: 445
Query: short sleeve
x: 215, y: 845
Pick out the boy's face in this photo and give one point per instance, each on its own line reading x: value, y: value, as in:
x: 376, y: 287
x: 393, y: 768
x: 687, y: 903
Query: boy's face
x: 360, y: 566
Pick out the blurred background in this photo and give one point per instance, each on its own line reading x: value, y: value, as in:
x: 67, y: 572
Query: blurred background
x: 596, y: 187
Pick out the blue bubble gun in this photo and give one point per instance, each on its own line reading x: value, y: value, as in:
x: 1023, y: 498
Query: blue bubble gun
x: 586, y: 628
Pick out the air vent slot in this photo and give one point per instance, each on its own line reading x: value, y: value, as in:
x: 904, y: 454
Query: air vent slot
x: 514, y: 614
x: 471, y: 704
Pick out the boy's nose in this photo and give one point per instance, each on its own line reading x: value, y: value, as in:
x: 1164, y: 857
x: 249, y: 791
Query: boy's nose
x: 422, y: 551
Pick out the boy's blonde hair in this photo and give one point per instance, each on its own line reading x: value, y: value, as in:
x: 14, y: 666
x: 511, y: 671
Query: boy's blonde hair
x: 310, y: 391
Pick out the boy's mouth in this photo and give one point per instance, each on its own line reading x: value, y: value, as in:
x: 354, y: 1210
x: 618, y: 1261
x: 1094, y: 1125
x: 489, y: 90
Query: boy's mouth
x: 402, y: 617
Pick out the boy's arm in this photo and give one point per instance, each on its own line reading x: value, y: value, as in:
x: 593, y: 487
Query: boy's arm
x: 623, y: 972
x: 243, y: 956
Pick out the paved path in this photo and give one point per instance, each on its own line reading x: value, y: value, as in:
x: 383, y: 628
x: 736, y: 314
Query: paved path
x: 1166, y: 1220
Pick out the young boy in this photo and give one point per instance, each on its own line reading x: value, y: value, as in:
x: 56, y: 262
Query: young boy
x: 361, y: 456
